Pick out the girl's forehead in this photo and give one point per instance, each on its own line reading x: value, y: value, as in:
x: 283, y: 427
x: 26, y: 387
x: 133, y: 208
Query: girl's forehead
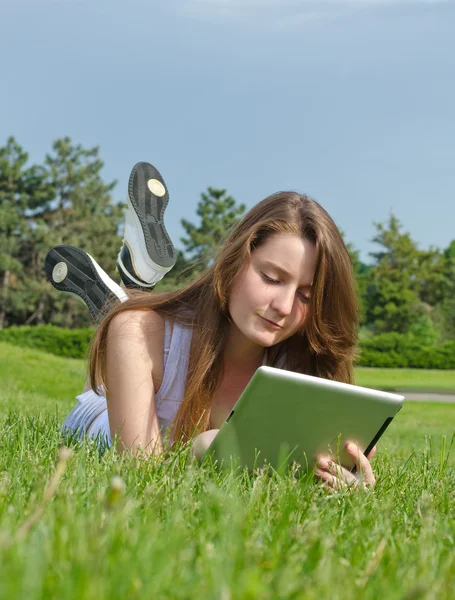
x: 286, y: 245
x: 288, y: 253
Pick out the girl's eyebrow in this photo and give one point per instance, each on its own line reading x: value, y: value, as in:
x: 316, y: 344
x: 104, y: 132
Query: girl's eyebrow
x: 285, y: 273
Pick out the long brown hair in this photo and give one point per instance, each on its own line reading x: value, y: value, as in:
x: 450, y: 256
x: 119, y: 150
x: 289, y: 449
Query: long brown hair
x: 325, y: 347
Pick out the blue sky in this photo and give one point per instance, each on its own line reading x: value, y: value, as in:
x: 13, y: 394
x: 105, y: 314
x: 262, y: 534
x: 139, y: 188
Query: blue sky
x: 352, y: 102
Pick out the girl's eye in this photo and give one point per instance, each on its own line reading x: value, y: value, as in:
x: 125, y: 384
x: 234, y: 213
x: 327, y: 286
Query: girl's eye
x: 304, y: 298
x: 269, y: 279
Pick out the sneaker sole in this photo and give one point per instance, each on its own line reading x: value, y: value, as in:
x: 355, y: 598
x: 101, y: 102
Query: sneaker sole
x: 148, y: 197
x: 71, y: 270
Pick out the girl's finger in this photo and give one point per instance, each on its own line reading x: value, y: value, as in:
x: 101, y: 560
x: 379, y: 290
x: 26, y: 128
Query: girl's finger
x: 329, y: 479
x: 336, y: 471
x: 343, y: 474
x: 362, y: 463
x: 371, y: 453
x: 334, y: 482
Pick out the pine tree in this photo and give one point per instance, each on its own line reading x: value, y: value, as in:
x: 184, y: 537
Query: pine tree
x: 82, y: 213
x: 218, y: 212
x: 22, y: 190
x: 393, y: 301
x: 63, y: 201
x: 444, y: 312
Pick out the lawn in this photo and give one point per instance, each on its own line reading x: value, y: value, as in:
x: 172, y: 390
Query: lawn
x: 171, y: 529
x: 57, y: 380
x: 407, y: 379
x: 26, y: 374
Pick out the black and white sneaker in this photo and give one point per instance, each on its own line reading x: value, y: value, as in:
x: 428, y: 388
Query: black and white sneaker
x: 147, y: 253
x: 72, y: 270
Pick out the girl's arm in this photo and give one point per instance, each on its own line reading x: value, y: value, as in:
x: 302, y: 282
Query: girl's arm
x: 202, y: 441
x: 134, y: 354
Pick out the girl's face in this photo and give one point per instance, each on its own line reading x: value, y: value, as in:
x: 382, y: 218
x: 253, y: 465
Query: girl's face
x: 269, y: 299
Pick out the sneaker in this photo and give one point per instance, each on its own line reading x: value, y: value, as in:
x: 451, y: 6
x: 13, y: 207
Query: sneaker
x: 74, y: 271
x: 147, y: 253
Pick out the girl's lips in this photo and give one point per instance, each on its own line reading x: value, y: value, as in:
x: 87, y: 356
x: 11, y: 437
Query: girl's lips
x: 271, y: 323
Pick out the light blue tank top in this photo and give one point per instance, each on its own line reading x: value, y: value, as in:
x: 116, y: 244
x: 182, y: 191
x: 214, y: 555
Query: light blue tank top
x: 90, y: 416
x: 91, y: 409
x: 177, y: 343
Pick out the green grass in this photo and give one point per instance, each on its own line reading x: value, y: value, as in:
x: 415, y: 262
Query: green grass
x: 182, y: 531
x: 407, y: 379
x: 55, y: 379
x: 36, y: 381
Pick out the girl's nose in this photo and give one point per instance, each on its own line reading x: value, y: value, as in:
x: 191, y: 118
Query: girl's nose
x: 284, y: 301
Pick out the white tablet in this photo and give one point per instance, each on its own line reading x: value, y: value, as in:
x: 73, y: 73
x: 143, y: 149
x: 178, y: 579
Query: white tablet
x: 284, y: 417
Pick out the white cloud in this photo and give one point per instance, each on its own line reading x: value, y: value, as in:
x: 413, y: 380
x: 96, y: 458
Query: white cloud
x: 301, y: 3
x: 282, y: 15
x: 304, y: 9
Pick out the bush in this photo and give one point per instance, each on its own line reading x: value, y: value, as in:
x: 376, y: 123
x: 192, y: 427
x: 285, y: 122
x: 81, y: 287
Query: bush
x: 387, y: 350
x: 72, y: 343
x: 424, y: 330
x: 397, y: 350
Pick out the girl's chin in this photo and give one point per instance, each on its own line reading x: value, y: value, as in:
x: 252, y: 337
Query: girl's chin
x: 259, y: 337
x: 264, y: 339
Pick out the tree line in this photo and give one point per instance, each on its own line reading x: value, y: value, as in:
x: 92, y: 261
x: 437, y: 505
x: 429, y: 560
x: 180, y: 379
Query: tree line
x: 64, y: 200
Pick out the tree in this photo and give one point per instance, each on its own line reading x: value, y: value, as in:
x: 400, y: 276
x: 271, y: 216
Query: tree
x: 64, y: 201
x: 449, y: 272
x: 362, y: 274
x: 218, y: 213
x: 432, y: 276
x: 444, y: 312
x: 22, y: 189
x: 393, y: 303
x: 82, y: 213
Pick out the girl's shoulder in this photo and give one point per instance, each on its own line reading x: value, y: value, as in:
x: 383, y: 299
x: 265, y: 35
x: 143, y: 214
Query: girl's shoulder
x: 140, y: 322
x: 140, y: 332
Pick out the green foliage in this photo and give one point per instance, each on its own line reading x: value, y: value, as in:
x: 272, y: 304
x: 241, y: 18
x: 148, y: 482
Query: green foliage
x: 63, y: 201
x: 394, y: 350
x: 408, y: 289
x: 362, y: 274
x: 392, y: 300
x: 443, y: 317
x: 424, y: 331
x: 218, y: 212
x: 432, y: 276
x: 71, y: 343
x: 22, y: 189
x: 443, y: 314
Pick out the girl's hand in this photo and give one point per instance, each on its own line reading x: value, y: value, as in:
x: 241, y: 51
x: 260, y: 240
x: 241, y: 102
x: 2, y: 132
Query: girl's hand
x: 202, y: 441
x: 338, y: 478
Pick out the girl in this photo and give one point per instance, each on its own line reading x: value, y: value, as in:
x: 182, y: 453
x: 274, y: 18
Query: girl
x: 281, y: 292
